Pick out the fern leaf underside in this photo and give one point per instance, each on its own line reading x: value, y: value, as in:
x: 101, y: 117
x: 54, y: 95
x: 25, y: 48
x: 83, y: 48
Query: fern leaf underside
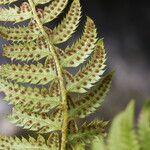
x: 33, y: 81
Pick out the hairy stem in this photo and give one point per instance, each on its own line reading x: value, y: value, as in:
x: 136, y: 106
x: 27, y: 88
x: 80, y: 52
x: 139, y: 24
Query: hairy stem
x: 60, y: 77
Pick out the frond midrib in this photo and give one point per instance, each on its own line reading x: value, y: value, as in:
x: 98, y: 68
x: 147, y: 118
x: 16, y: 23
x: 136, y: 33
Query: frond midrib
x: 60, y: 77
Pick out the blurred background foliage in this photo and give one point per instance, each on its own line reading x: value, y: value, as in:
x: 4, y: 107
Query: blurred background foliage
x: 124, y: 25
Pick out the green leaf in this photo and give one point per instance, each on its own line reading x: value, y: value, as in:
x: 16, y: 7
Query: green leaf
x: 14, y: 143
x: 34, y: 74
x: 86, y: 132
x: 28, y: 51
x: 144, y: 127
x: 20, y: 34
x: 122, y: 136
x: 53, y: 10
x: 78, y: 52
x: 68, y: 25
x: 16, y: 14
x: 40, y: 122
x: 90, y: 73
x: 33, y: 99
x: 92, y: 100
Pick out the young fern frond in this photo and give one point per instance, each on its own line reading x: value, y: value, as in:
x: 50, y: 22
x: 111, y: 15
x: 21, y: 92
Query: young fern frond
x: 144, y: 127
x: 123, y: 135
x: 40, y: 87
x: 122, y: 128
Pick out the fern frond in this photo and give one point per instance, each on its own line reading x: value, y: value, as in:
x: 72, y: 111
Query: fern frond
x: 86, y: 132
x: 122, y: 135
x: 32, y: 99
x: 20, y: 34
x: 28, y: 51
x: 53, y: 10
x: 41, y: 122
x: 68, y: 25
x: 91, y: 100
x: 78, y: 52
x: 14, y: 143
x: 48, y: 106
x: 34, y: 74
x: 144, y: 127
x: 16, y: 14
x: 89, y: 74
